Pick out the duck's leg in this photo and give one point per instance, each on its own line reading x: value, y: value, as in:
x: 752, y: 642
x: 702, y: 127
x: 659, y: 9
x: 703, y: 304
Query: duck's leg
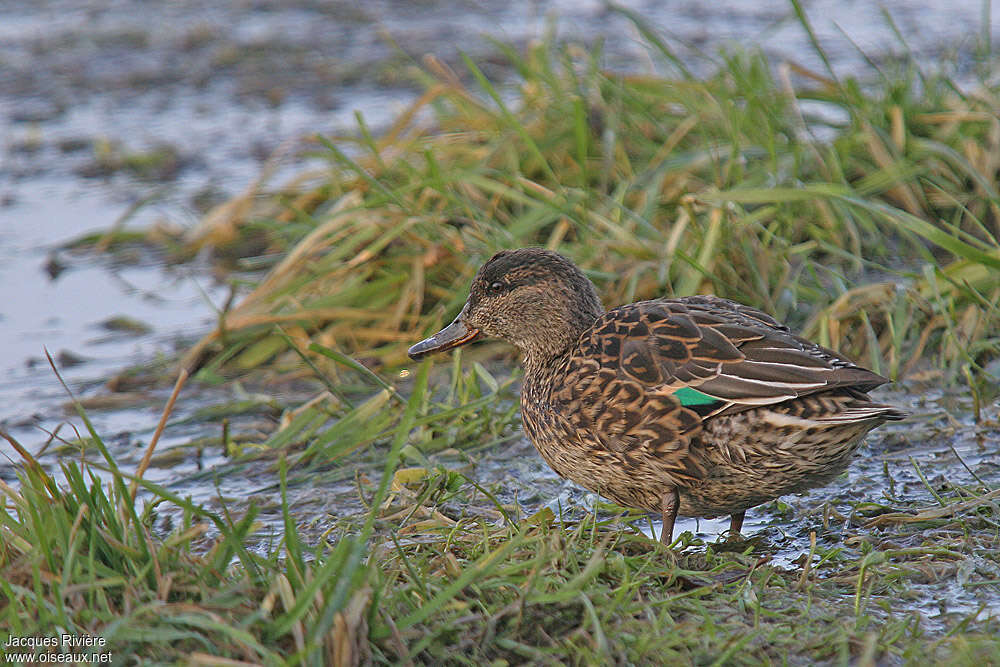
x: 735, y: 525
x: 668, y: 506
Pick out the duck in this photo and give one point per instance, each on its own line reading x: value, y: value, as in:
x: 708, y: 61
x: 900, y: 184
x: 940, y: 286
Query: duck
x: 695, y: 406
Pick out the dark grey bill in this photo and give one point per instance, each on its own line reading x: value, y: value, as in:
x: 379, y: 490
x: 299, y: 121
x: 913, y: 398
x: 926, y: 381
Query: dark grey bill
x: 453, y: 335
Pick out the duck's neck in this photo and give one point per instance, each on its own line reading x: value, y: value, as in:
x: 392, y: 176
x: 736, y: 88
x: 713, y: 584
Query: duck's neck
x: 546, y: 351
x: 538, y: 364
x: 561, y: 320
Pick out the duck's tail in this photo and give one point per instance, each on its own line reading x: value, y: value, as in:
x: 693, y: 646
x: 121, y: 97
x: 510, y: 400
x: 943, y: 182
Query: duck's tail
x: 865, y: 412
x: 840, y: 407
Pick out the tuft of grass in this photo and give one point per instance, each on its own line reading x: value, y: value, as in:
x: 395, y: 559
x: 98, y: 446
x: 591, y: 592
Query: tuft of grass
x: 418, y: 579
x: 864, y: 211
x: 85, y: 560
x: 438, y: 569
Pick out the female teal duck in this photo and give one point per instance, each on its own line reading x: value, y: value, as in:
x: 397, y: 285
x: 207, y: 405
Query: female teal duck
x: 696, y: 406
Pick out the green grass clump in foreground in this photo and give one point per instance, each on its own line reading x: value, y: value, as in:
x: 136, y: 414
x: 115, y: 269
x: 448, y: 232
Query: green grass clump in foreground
x: 413, y: 580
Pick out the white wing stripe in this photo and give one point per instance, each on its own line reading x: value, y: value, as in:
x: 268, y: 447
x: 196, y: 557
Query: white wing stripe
x: 776, y: 385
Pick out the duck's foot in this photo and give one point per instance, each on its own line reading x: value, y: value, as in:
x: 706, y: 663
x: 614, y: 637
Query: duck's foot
x: 668, y: 506
x: 735, y: 525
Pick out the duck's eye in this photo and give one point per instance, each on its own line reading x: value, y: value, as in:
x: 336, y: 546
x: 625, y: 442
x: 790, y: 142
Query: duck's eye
x: 497, y: 287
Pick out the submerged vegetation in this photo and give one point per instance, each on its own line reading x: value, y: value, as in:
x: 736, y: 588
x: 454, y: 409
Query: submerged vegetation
x: 865, y: 213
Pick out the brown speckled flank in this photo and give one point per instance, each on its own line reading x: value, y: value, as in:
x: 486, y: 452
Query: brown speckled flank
x: 697, y: 406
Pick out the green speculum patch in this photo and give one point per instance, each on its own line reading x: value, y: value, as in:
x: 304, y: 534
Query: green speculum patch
x: 688, y: 397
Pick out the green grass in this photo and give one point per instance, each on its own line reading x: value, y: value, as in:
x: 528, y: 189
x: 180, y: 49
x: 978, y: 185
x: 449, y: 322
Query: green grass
x: 874, y: 232
x: 880, y: 239
x: 438, y: 571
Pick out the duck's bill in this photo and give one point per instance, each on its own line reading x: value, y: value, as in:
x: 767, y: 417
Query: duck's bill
x: 453, y: 335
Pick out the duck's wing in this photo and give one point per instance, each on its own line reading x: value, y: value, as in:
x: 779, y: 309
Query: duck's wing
x: 642, y: 381
x: 717, y: 356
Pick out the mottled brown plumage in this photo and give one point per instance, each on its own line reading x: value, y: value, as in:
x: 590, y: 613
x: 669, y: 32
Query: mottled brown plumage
x: 697, y: 406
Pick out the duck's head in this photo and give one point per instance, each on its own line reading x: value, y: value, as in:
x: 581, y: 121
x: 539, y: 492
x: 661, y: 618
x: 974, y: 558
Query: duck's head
x: 533, y: 298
